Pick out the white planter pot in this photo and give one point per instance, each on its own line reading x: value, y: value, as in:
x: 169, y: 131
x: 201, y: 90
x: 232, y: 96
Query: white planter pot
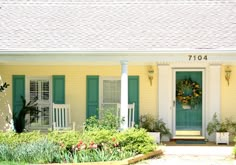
x: 156, y: 136
x: 222, y: 137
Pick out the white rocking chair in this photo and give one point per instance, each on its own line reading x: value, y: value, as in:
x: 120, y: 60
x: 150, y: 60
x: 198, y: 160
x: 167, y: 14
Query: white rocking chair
x: 131, y: 111
x: 61, y: 117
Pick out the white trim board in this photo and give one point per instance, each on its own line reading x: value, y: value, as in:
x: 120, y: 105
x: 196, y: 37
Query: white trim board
x: 64, y: 58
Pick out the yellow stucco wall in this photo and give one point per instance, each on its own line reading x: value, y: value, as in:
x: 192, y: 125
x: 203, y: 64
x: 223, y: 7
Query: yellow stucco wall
x: 76, y: 86
x: 228, y: 108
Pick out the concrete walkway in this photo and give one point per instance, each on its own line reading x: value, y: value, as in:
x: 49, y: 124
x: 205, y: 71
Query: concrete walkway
x: 194, y: 155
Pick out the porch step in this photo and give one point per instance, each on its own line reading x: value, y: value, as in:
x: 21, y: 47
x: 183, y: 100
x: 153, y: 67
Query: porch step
x: 189, y: 139
x: 188, y: 133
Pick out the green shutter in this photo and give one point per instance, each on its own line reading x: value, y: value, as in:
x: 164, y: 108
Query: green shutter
x: 92, y: 96
x: 18, y: 90
x: 58, y: 89
x: 133, y: 95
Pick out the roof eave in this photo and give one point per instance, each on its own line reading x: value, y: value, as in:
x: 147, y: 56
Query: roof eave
x: 118, y: 52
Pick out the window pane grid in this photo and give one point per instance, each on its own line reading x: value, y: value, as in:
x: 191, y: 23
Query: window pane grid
x: 33, y: 89
x: 41, y: 90
x: 111, y: 91
x: 45, y: 90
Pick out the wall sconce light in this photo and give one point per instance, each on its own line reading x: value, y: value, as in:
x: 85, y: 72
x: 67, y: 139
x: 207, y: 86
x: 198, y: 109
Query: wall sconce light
x: 150, y: 74
x: 227, y: 73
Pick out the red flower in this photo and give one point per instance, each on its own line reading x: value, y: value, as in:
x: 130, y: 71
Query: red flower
x: 81, y: 145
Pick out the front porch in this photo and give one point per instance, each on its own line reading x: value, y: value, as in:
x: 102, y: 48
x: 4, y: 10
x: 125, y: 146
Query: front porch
x: 84, y: 88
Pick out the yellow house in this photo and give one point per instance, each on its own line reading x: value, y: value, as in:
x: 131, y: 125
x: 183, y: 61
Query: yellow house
x: 174, y: 60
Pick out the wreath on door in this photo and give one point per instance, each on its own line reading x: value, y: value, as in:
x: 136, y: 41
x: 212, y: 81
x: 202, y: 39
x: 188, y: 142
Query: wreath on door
x: 188, y: 92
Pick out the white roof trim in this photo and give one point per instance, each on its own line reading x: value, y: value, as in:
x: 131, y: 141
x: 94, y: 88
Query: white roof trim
x: 108, y: 58
x: 160, y: 51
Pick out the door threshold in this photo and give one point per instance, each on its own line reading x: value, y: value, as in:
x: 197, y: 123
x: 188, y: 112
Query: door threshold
x: 188, y: 137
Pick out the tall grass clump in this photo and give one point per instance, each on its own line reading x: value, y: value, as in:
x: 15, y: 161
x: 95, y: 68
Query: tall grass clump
x: 42, y: 151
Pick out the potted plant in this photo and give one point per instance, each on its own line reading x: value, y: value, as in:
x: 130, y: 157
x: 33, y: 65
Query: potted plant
x: 221, y: 128
x: 156, y: 127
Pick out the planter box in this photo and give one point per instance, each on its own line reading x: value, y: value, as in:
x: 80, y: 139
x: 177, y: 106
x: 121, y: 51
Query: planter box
x: 156, y: 136
x: 222, y: 137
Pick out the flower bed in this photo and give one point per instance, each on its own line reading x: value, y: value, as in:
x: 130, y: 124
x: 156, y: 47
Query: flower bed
x: 94, y: 145
x: 127, y: 161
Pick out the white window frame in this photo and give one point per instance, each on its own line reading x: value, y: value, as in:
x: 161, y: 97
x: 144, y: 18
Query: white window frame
x: 27, y: 97
x: 101, y: 79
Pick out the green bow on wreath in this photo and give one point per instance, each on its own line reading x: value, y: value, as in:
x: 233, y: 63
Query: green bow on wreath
x: 188, y: 92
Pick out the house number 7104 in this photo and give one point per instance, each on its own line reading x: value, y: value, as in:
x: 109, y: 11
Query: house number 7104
x: 197, y: 57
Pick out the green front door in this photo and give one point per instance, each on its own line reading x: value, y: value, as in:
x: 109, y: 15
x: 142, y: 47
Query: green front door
x: 188, y: 100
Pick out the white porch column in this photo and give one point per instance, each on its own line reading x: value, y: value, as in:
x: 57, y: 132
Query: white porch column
x: 124, y: 95
x: 213, y: 93
x: 165, y: 94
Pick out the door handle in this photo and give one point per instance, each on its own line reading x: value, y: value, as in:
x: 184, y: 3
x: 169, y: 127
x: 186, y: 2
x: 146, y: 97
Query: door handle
x: 173, y: 103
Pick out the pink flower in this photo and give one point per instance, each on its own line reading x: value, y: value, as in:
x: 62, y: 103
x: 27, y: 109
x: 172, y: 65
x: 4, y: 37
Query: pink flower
x: 93, y: 146
x: 116, y: 144
x: 83, y: 146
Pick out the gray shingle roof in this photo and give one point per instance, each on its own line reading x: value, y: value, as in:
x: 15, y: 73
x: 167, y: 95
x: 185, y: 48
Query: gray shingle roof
x: 117, y: 25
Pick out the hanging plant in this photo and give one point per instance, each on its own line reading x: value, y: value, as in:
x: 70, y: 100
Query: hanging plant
x: 188, y: 92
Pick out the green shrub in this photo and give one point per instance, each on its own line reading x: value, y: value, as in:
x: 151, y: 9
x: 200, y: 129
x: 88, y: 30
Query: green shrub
x: 14, y: 139
x: 136, y: 140
x: 98, y: 136
x: 65, y: 139
x: 107, y: 120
